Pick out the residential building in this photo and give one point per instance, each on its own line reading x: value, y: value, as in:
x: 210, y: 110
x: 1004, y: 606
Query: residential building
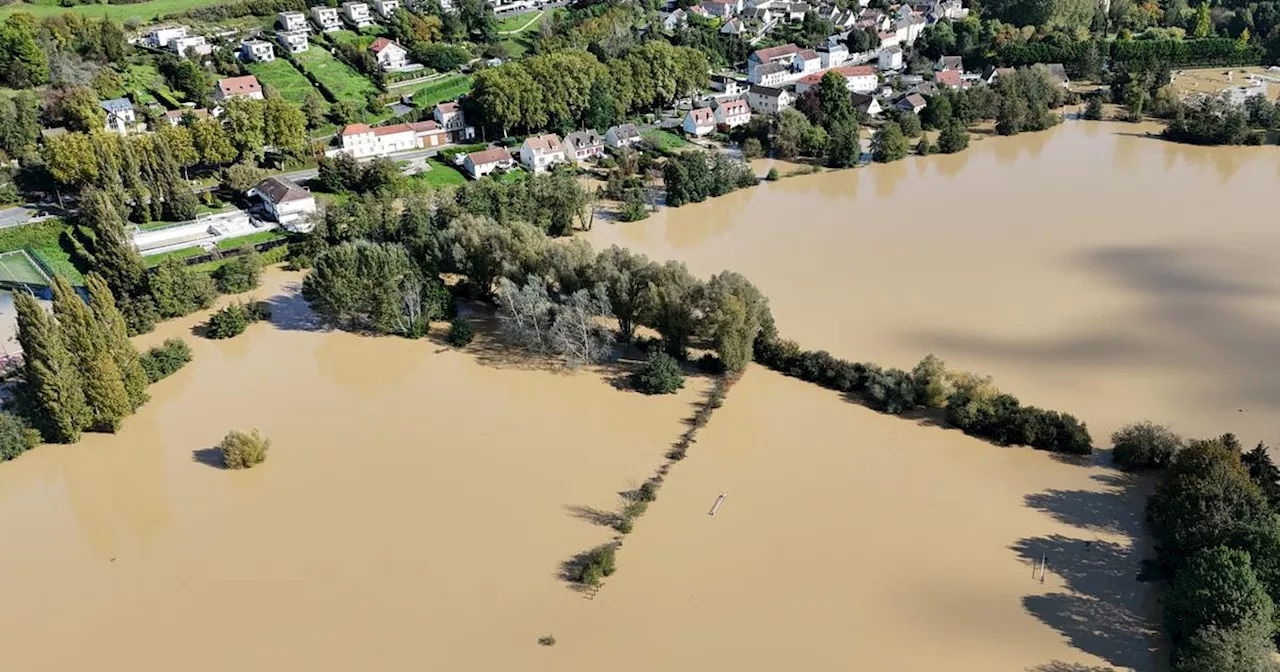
x: 769, y: 100
x: 291, y: 22
x: 675, y: 20
x: 993, y: 74
x: 950, y: 63
x: 540, y: 152
x: 858, y: 79
x: 866, y: 104
x: 909, y: 29
x: 771, y: 74
x: 390, y: 55
x: 357, y: 14
x: 1059, y: 74
x: 699, y: 10
x: 805, y: 62
x: 699, y: 122
x: 385, y: 8
x: 733, y: 26
x: 120, y: 115
x: 912, y: 102
x: 163, y: 36
x: 451, y: 119
x: 294, y: 42
x: 890, y: 58
x: 718, y: 9
x: 947, y: 78
x: 926, y: 89
x: 326, y: 19
x: 584, y: 145
x: 781, y: 55
x: 763, y: 15
x: 257, y: 51
x: 191, y: 44
x: 733, y: 113
x: 238, y: 87
x: 947, y: 9
x: 479, y: 164
x: 175, y: 117
x: 727, y: 85
x: 794, y: 13
x: 832, y: 55
x: 362, y: 141
x: 285, y: 202
x: 622, y: 135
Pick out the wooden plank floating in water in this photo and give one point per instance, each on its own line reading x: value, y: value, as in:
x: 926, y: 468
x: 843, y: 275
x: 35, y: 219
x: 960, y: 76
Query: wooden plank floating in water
x: 716, y: 507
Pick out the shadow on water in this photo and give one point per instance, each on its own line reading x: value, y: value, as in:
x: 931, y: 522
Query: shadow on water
x: 1059, y: 666
x: 290, y: 312
x: 209, y: 456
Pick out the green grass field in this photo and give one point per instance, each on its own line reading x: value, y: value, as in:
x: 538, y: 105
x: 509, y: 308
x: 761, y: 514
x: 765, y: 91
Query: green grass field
x: 515, y: 23
x: 664, y: 140
x: 229, y: 244
x: 146, y: 11
x: 346, y: 84
x: 42, y: 240
x: 449, y: 88
x: 441, y: 175
x: 284, y: 78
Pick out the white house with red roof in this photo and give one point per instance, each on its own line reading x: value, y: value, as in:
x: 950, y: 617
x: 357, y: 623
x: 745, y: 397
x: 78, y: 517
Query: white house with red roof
x: 363, y: 141
x: 540, y: 152
x: 781, y: 55
x: 450, y: 117
x: 238, y: 87
x: 390, y: 55
x: 733, y: 113
x: 858, y: 79
x: 699, y: 122
x: 479, y: 164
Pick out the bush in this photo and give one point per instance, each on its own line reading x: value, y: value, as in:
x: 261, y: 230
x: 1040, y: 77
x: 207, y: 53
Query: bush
x: 140, y: 314
x: 772, y: 175
x: 241, y: 450
x: 460, y: 332
x: 16, y: 436
x: 661, y: 375
x: 1144, y: 445
x: 647, y: 492
x: 161, y: 361
x: 592, y: 566
x: 240, y: 274
x: 752, y: 149
x: 234, y: 319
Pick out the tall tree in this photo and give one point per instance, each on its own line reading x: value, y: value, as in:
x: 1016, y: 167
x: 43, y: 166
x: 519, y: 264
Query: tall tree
x: 626, y: 277
x: 49, y: 372
x: 245, y: 126
x: 888, y: 144
x: 837, y: 105
x: 285, y: 126
x: 110, y: 251
x: 116, y: 338
x: 104, y: 390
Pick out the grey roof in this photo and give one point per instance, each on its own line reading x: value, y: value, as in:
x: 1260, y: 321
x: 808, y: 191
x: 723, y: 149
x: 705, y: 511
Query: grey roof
x: 767, y: 91
x: 581, y: 139
x: 117, y: 105
x: 1059, y: 73
x: 625, y: 131
x: 281, y: 190
x: 772, y: 68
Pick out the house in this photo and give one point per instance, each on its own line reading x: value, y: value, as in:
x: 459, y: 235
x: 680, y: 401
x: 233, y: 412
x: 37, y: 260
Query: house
x: 175, y: 117
x: 719, y: 9
x: 120, y: 115
x: 727, y: 85
x: 162, y: 37
x: 759, y: 58
x: 191, y: 44
x: 733, y: 113
x: 866, y: 104
x: 909, y: 28
x: 806, y: 61
x: 326, y: 19
x: 926, y: 89
x: 832, y: 55
x: 357, y: 14
x: 993, y: 74
x: 675, y: 20
x: 285, y: 201
x: 763, y: 15
x: 912, y: 102
x: 699, y: 122
x: 584, y: 145
x: 363, y: 141
x: 540, y: 152
x: 238, y: 87
x: 947, y: 78
x: 857, y: 78
x: 769, y: 100
x: 949, y: 63
x: 1059, y: 74
x: 479, y: 164
x: 385, y: 8
x: 794, y: 13
x: 390, y: 55
x: 890, y: 59
x: 733, y: 26
x: 451, y: 119
x: 622, y: 135
x: 947, y: 9
x: 295, y: 42
x: 257, y: 51
x: 699, y: 10
x: 771, y: 74
x: 291, y: 22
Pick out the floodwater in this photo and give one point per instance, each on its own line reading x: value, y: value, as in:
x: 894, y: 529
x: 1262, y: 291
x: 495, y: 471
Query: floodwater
x: 417, y: 500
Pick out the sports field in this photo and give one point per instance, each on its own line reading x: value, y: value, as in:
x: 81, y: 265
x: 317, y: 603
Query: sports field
x: 345, y: 83
x: 285, y: 79
x: 18, y: 266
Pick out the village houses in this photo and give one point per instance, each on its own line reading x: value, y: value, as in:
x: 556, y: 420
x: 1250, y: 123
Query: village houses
x: 890, y: 59
x: 362, y: 141
x: 769, y: 100
x: 540, y: 152
x: 294, y: 42
x: 733, y: 113
x: 451, y: 119
x: 699, y: 121
x: 479, y: 164
x: 257, y: 51
x: 622, y: 135
x: 385, y: 8
x: 120, y: 115
x: 858, y: 79
x: 326, y: 19
x: 777, y: 65
x: 390, y: 55
x: 175, y: 117
x: 584, y: 145
x: 191, y: 44
x: 357, y: 14
x: 237, y: 87
x: 912, y: 102
x: 291, y: 22
x: 285, y: 202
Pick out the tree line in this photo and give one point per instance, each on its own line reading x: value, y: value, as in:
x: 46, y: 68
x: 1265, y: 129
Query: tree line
x: 694, y: 176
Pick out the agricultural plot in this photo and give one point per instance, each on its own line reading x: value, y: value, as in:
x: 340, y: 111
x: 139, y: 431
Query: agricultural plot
x: 345, y: 83
x: 146, y: 11
x: 285, y: 79
x: 448, y: 88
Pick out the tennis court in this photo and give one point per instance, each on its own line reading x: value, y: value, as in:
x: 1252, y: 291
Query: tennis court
x: 18, y: 267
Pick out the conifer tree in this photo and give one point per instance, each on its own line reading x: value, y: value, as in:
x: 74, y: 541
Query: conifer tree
x: 104, y: 389
x: 52, y: 378
x: 116, y: 335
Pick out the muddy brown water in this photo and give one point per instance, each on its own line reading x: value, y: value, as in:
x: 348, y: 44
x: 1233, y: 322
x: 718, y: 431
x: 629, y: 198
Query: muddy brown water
x: 417, y: 501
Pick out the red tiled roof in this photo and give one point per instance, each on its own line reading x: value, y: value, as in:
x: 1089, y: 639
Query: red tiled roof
x: 703, y: 116
x: 948, y: 78
x: 239, y: 86
x: 446, y: 108
x: 732, y: 107
x: 489, y: 156
x: 356, y: 129
x: 847, y: 72
x: 766, y: 55
x: 380, y: 44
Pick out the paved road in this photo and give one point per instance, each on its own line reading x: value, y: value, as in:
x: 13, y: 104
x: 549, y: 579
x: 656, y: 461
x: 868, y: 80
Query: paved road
x: 25, y: 214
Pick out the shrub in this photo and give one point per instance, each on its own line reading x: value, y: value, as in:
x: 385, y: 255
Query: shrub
x: 592, y: 566
x: 931, y: 382
x: 752, y: 149
x: 661, y: 375
x: 234, y: 319
x: 241, y: 450
x: 240, y: 274
x: 547, y: 640
x: 1144, y: 445
x: 647, y: 492
x: 891, y: 391
x: 460, y: 332
x: 772, y: 175
x: 16, y: 436
x: 161, y: 361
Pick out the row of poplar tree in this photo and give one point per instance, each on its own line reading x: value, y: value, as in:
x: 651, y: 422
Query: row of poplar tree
x: 81, y: 371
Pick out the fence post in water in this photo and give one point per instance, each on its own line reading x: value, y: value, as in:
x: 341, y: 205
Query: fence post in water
x: 716, y: 507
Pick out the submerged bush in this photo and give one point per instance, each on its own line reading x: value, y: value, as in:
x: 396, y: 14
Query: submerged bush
x: 240, y: 274
x: 592, y: 566
x: 161, y: 361
x: 661, y: 375
x: 241, y: 450
x: 16, y: 436
x: 1144, y: 445
x: 460, y: 332
x: 235, y: 318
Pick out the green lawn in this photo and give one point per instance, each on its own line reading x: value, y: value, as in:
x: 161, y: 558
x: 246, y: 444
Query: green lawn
x: 229, y: 244
x: 284, y: 78
x: 147, y: 11
x: 346, y: 84
x: 42, y: 240
x: 663, y: 140
x: 518, y: 22
x: 513, y: 175
x: 441, y: 175
x: 439, y: 91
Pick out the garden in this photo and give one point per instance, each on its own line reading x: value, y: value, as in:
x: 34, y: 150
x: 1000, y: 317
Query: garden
x: 345, y: 83
x: 280, y: 76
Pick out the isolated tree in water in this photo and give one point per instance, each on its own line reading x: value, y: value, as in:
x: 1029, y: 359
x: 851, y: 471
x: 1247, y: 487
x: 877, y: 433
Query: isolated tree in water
x: 116, y: 337
x: 52, y: 380
x: 103, y: 383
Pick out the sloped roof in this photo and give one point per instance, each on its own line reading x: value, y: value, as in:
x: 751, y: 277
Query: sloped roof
x: 702, y: 116
x: 239, y: 86
x: 625, y: 131
x: 116, y: 105
x: 493, y: 155
x: 281, y: 190
x: 382, y: 43
x: 771, y: 53
x: 546, y: 143
x: 580, y: 139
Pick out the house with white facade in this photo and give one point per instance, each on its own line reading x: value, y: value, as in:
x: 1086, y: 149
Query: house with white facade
x: 163, y: 36
x: 771, y: 74
x: 890, y: 58
x: 733, y: 26
x: 295, y: 42
x: 910, y: 28
x: 257, y: 51
x: 733, y: 113
x: 912, y: 102
x: 291, y: 22
x: 121, y: 117
x: 238, y: 87
x: 326, y: 19
x: 720, y: 9
x: 866, y: 104
x: 781, y: 55
x: 191, y: 44
x: 285, y: 202
x: 357, y: 14
x: 385, y: 8
x: 584, y: 145
x: 805, y: 62
x: 175, y: 117
x: 858, y: 78
x: 727, y: 85
x: 622, y: 135
x: 832, y: 55
x: 699, y: 122
x: 675, y: 20
x: 769, y: 100
x: 390, y: 55
x: 479, y: 164
x: 363, y: 141
x: 540, y: 152
x: 451, y: 119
